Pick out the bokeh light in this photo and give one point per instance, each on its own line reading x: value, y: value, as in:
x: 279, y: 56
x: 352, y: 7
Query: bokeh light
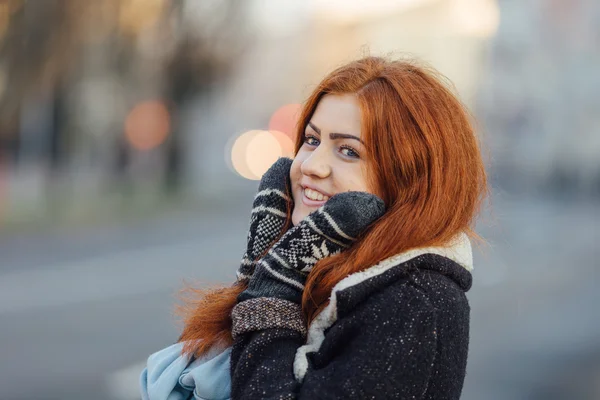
x: 262, y: 151
x: 353, y: 11
x: 253, y: 152
x: 238, y: 154
x: 286, y: 143
x: 147, y: 125
x: 137, y: 15
x: 479, y: 18
x: 285, y: 119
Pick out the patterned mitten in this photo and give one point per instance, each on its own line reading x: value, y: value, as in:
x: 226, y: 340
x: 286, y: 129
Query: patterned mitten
x: 268, y: 216
x: 281, y: 273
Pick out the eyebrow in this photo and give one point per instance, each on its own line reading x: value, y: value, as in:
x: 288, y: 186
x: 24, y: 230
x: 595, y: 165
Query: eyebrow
x: 334, y: 136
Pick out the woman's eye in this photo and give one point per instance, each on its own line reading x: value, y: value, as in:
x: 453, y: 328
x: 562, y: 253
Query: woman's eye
x: 349, y: 152
x: 311, y: 140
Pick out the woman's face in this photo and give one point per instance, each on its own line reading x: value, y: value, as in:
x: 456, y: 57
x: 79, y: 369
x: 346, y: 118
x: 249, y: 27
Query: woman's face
x: 332, y: 157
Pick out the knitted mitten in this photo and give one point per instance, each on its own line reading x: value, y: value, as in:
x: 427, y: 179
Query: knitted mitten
x: 268, y: 216
x: 281, y: 273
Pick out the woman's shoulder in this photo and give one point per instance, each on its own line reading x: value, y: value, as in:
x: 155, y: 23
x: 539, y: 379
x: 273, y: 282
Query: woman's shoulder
x: 418, y: 290
x: 438, y: 281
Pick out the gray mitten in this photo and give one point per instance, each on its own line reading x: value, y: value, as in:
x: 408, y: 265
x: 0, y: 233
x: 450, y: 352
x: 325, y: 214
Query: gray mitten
x: 281, y: 273
x: 268, y: 216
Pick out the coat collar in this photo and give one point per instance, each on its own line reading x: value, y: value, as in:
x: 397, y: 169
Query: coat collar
x: 457, y: 250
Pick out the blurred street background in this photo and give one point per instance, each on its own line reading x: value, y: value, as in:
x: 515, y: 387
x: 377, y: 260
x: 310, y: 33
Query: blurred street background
x: 133, y: 133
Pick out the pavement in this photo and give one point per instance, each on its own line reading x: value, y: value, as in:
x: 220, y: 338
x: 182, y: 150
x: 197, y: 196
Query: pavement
x: 81, y: 309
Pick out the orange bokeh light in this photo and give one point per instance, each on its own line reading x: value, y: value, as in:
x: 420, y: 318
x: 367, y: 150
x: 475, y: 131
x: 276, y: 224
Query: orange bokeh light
x: 147, y: 125
x: 285, y: 120
x: 262, y: 151
x: 253, y: 152
x: 239, y: 155
x: 286, y: 143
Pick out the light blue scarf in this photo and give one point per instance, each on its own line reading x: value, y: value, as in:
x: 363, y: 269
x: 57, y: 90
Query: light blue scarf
x: 171, y: 376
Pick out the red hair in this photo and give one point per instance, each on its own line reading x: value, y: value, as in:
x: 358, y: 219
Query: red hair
x: 424, y: 161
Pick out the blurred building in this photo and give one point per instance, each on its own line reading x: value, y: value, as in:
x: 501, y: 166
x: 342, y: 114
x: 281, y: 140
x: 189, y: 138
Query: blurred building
x: 150, y: 95
x: 91, y: 93
x: 539, y: 101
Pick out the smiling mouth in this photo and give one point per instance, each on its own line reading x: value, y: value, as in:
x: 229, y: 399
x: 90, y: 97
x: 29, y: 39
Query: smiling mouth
x: 314, y: 196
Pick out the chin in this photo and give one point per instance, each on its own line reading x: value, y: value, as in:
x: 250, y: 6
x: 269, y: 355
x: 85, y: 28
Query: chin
x: 296, y: 218
x: 298, y: 215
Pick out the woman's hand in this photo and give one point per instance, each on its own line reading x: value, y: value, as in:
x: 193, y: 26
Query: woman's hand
x: 281, y: 273
x: 268, y: 217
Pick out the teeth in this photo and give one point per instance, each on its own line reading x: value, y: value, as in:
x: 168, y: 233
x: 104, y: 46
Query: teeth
x: 314, y: 195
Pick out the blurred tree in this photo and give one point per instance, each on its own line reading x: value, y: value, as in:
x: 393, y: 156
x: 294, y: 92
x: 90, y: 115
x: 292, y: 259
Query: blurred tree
x: 205, y: 54
x: 181, y: 47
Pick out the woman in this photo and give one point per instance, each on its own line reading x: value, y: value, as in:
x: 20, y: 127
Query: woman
x: 353, y: 284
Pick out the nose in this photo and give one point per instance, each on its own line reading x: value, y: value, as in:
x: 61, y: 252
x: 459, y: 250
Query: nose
x: 316, y: 164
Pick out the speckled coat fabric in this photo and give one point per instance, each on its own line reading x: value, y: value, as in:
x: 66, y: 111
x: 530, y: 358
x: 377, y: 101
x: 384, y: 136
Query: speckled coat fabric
x: 403, y: 333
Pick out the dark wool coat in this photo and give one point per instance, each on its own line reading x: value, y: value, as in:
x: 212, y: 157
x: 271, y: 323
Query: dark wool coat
x: 397, y: 330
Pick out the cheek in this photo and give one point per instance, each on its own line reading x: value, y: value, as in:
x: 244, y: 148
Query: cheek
x: 352, y: 180
x: 295, y: 171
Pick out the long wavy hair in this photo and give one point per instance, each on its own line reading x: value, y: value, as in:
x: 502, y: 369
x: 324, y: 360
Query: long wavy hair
x: 424, y: 160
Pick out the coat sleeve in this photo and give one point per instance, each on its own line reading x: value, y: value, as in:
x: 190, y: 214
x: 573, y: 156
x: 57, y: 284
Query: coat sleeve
x: 388, y: 355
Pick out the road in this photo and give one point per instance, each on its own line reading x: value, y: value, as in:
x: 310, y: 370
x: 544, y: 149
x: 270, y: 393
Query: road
x: 81, y: 309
